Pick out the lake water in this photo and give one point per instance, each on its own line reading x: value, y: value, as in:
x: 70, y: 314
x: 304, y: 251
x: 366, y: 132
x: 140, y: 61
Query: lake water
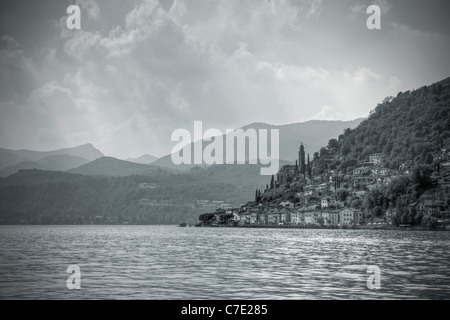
x: 168, y: 262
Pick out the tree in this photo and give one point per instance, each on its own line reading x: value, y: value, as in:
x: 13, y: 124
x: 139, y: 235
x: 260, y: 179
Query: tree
x: 421, y: 177
x: 388, y: 99
x: 429, y: 158
x: 378, y: 211
x: 347, y: 163
x: 272, y: 183
x: 258, y: 195
x: 406, y: 217
x: 356, y: 204
x: 396, y: 219
x: 323, y: 152
x: 399, y: 210
x: 417, y: 218
x: 333, y: 144
x: 429, y: 222
x: 316, y: 156
x: 342, y: 194
x: 309, y: 168
x: 321, y: 221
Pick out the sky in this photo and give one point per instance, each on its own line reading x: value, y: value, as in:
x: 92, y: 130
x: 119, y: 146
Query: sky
x: 138, y: 70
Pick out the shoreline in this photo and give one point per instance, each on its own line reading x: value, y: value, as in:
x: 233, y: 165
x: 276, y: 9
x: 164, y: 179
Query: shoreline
x: 397, y: 228
x: 447, y: 228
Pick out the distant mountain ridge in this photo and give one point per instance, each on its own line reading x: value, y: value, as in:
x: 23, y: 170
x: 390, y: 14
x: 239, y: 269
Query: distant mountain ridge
x: 108, y: 166
x: 144, y: 159
x: 13, y: 157
x: 313, y: 134
x: 60, y: 162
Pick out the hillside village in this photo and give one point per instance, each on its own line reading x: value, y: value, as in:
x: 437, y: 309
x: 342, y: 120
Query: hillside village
x: 302, y: 195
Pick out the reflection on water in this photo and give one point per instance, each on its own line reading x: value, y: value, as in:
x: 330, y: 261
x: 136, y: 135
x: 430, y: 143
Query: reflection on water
x: 166, y: 262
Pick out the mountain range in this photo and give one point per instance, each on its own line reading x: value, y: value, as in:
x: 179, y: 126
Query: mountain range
x: 88, y: 160
x: 144, y: 159
x: 60, y: 162
x: 12, y: 161
x: 108, y: 166
x: 313, y: 134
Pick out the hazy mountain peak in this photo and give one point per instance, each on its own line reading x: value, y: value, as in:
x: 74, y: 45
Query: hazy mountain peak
x: 313, y: 135
x: 86, y: 152
x: 144, y: 159
x: 109, y: 166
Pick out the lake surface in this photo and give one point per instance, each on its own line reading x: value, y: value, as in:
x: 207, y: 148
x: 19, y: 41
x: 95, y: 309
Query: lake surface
x: 168, y: 262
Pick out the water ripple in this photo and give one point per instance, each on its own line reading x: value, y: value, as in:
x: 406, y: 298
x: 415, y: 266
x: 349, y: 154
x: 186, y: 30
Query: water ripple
x: 165, y: 262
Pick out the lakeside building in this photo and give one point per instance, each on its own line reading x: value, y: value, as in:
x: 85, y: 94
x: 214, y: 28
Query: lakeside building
x: 362, y: 181
x: 299, y: 217
x: 350, y: 216
x: 376, y: 158
x: 331, y: 218
x: 361, y: 171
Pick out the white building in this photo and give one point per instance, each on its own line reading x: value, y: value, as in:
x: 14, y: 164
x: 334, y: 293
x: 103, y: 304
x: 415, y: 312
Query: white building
x: 376, y: 158
x: 330, y: 218
x: 325, y: 202
x: 347, y: 217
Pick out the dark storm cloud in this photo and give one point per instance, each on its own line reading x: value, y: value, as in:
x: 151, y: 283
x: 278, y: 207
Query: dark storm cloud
x: 140, y: 69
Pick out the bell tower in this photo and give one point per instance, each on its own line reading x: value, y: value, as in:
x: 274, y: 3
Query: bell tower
x: 301, y: 159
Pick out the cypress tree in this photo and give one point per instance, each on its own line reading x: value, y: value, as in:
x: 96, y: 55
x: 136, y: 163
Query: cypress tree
x: 309, y: 168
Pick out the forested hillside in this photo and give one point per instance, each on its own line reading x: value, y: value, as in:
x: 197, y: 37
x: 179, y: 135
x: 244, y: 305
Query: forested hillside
x: 410, y: 127
x: 46, y: 197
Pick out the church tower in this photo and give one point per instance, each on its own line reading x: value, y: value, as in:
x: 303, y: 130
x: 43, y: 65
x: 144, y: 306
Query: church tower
x: 301, y: 159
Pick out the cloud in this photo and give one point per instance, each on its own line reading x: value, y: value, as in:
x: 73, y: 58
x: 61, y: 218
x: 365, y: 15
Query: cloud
x: 328, y: 113
x: 357, y: 9
x: 315, y: 8
x: 165, y: 68
x: 91, y: 7
x: 17, y: 72
x: 361, y: 7
x: 337, y: 94
x: 139, y: 70
x: 384, y: 5
x: 9, y: 43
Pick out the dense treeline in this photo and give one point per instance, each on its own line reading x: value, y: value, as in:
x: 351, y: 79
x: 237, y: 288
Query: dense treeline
x: 411, y: 127
x: 400, y: 193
